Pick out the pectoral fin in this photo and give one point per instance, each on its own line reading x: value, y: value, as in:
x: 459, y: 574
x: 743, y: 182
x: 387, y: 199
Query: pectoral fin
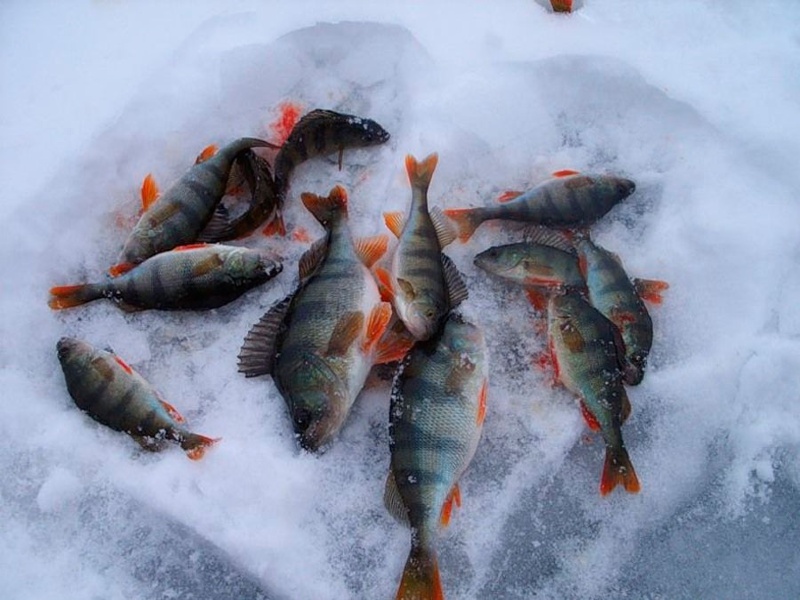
x: 345, y: 332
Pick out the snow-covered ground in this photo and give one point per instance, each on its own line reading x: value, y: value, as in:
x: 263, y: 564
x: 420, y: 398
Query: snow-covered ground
x: 698, y: 102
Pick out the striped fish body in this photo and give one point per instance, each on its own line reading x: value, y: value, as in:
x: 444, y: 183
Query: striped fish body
x: 109, y: 391
x: 417, y: 273
x: 532, y: 264
x: 191, y: 278
x: 585, y: 347
x: 614, y: 295
x: 328, y: 340
x: 263, y: 205
x: 182, y: 211
x: 570, y: 201
x: 323, y: 132
x: 436, y: 417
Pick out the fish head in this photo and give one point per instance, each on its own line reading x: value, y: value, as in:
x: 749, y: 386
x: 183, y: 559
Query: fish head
x: 70, y: 349
x: 369, y: 132
x: 463, y: 339
x: 317, y: 401
x: 251, y: 266
x: 624, y: 187
x: 499, y: 259
x: 423, y: 316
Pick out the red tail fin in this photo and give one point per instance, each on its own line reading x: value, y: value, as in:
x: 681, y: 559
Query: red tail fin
x: 420, y: 173
x: 324, y: 208
x: 618, y: 469
x: 650, y: 289
x: 196, y: 445
x: 561, y: 5
x: 467, y: 221
x: 421, y: 577
x: 67, y: 296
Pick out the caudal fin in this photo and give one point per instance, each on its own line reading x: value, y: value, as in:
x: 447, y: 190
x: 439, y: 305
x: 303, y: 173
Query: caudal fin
x: 421, y: 579
x: 467, y: 220
x: 67, y: 296
x: 617, y: 470
x: 325, y: 208
x: 420, y: 173
x: 196, y: 445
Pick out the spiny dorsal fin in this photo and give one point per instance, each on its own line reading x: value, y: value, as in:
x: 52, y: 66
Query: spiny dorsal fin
x: 257, y: 356
x: 445, y: 231
x: 313, y: 257
x: 371, y: 249
x: 545, y: 236
x: 456, y: 288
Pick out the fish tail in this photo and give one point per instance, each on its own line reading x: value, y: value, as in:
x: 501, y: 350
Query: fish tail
x: 67, y: 296
x: 467, y: 220
x: 421, y: 576
x: 617, y: 470
x: 196, y: 445
x: 420, y: 173
x: 325, y: 208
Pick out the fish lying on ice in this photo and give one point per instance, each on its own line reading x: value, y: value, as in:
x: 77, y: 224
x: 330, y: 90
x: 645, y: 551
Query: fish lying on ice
x: 194, y: 277
x: 436, y: 417
x: 586, y: 352
x: 569, y: 200
x: 319, y: 343
x: 617, y: 298
x: 112, y: 393
x: 177, y: 217
x: 424, y: 284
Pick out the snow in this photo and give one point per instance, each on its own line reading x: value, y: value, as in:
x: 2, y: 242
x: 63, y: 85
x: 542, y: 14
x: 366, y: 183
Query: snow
x: 695, y: 101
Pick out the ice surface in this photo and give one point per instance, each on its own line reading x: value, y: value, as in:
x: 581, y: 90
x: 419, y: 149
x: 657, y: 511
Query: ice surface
x: 697, y: 102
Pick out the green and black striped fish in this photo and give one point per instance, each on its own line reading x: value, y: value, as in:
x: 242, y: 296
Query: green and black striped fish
x: 423, y: 284
x: 617, y: 297
x: 545, y: 260
x: 586, y: 352
x: 568, y: 200
x: 194, y: 277
x: 436, y: 417
x: 319, y: 343
x: 322, y: 132
x: 112, y: 393
x: 177, y: 217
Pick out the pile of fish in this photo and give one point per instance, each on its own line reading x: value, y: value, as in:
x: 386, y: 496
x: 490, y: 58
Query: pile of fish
x: 357, y: 303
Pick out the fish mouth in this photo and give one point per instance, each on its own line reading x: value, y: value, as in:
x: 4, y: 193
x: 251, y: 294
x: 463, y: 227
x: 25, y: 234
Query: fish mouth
x: 65, y: 346
x: 626, y: 187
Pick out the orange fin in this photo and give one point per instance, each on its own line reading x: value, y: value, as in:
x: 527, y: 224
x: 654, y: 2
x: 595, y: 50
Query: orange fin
x: 376, y: 325
x: 207, y: 153
x: 564, y: 6
x: 454, y: 497
x: 125, y: 366
x: 420, y: 173
x: 619, y: 317
x: 370, y: 249
x: 190, y: 247
x: 325, y: 207
x: 465, y: 220
x: 617, y: 469
x: 172, y: 411
x: 120, y: 269
x: 395, y: 222
x: 68, y: 296
x: 196, y: 445
x: 583, y: 265
x: 566, y: 173
x: 591, y: 420
x: 385, y: 284
x: 275, y: 227
x: 508, y: 196
x: 481, y: 416
x: 650, y: 289
x: 149, y: 191
x: 394, y: 345
x: 288, y: 115
x: 421, y: 579
x: 301, y: 235
x: 537, y: 299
